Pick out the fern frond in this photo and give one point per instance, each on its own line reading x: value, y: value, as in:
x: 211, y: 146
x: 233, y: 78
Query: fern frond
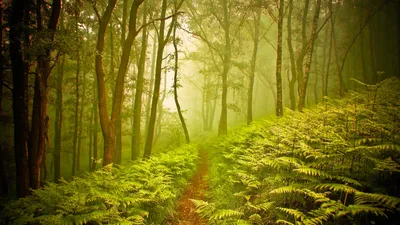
x: 313, y: 172
x: 203, y: 208
x: 296, y: 162
x: 287, y: 189
x: 336, y: 187
x: 347, y: 180
x: 293, y: 212
x: 369, y: 209
x: 223, y: 214
x: 384, y: 200
x: 285, y: 222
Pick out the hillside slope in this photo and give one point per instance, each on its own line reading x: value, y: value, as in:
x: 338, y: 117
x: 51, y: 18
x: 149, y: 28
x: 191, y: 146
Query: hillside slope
x: 336, y: 163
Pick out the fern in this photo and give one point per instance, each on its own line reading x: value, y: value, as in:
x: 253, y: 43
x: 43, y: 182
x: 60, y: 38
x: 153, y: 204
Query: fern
x: 293, y: 212
x: 336, y: 187
x: 313, y: 172
x: 224, y: 214
x: 143, y: 192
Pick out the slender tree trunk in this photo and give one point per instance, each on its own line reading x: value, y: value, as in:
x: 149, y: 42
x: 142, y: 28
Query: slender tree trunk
x: 137, y: 109
x: 58, y: 121
x: 151, y: 83
x: 205, y: 101
x: 95, y: 130
x: 160, y: 108
x: 20, y: 108
x: 316, y: 75
x: 331, y: 40
x: 178, y: 107
x: 39, y: 129
x: 279, y: 107
x: 117, y: 124
x: 324, y: 78
x: 90, y: 134
x: 76, y: 117
x: 3, y: 176
x: 362, y: 53
x: 107, y: 123
x: 335, y: 48
x: 223, y: 122
x: 256, y: 37
x: 79, y: 153
x: 213, y: 107
x: 107, y: 130
x: 302, y: 54
x: 303, y: 90
x: 293, y: 80
x: 162, y: 40
x: 372, y: 54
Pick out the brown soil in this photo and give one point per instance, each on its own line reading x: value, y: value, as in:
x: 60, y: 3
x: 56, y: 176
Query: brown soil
x: 198, y: 185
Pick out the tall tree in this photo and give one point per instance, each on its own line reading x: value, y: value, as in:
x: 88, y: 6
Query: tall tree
x: 108, y: 123
x: 76, y: 113
x: 58, y: 121
x: 279, y: 107
x: 293, y: 78
x: 151, y: 82
x: 225, y: 24
x: 137, y: 109
x: 256, y: 41
x: 162, y: 41
x: 20, y: 107
x: 304, y: 79
x: 3, y: 176
x: 39, y: 128
x: 176, y: 58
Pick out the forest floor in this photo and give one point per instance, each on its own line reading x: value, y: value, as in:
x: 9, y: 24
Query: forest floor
x: 197, y: 188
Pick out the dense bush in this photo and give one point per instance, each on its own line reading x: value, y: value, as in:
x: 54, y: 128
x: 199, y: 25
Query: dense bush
x: 337, y: 163
x: 141, y: 193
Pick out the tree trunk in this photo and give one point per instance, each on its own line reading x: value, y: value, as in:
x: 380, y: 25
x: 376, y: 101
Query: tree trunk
x: 302, y: 54
x: 107, y: 130
x: 372, y: 54
x: 160, y: 108
x: 316, y: 76
x: 292, y: 81
x: 76, y: 120
x: 137, y: 109
x: 253, y: 66
x: 108, y: 124
x: 20, y: 108
x: 58, y: 121
x: 90, y: 134
x: 303, y: 87
x: 151, y: 83
x: 178, y: 107
x: 223, y: 122
x: 162, y: 40
x: 95, y: 131
x: 279, y: 107
x: 213, y: 107
x: 323, y: 83
x: 3, y: 176
x: 117, y: 123
x: 205, y: 105
x: 40, y: 119
x: 79, y: 153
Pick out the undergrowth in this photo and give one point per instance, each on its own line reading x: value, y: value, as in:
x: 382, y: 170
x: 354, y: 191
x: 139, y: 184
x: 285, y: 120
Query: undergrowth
x: 336, y: 163
x: 141, y: 193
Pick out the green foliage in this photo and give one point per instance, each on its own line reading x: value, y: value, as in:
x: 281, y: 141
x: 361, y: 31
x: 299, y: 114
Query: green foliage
x: 141, y: 193
x: 336, y: 163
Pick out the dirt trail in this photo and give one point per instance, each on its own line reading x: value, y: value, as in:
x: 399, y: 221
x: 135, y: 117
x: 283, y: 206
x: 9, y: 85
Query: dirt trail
x: 198, y: 185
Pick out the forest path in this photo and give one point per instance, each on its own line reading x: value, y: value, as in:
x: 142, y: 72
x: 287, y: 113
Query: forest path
x: 198, y: 186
